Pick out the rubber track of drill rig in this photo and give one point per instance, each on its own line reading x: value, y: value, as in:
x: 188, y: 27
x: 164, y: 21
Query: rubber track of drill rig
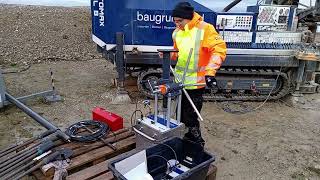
x: 285, y: 88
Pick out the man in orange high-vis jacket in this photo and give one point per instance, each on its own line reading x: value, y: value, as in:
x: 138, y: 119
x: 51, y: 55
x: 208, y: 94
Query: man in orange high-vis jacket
x: 208, y: 52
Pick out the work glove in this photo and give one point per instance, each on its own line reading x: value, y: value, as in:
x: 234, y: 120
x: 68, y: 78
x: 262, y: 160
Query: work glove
x: 211, y: 81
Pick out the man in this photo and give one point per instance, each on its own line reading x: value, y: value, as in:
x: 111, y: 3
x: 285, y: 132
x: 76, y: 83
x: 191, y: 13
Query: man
x: 209, y: 51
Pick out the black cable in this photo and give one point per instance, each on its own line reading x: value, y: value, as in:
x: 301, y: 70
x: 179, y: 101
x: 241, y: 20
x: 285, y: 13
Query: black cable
x: 246, y: 109
x: 168, y: 170
x: 134, y: 113
x: 174, y: 152
x: 243, y: 108
x: 103, y: 129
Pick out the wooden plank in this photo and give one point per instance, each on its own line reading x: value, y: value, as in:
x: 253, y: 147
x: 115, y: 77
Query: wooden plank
x: 105, y: 176
x: 212, y: 172
x: 90, y: 172
x: 89, y: 150
x: 75, y: 145
x: 101, y: 152
x: 83, y: 150
x: 39, y: 175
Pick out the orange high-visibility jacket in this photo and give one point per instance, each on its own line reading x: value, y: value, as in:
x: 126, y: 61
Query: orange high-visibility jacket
x: 208, y: 51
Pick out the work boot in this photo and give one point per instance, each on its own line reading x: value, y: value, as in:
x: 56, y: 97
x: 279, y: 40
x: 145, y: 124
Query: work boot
x: 194, y: 135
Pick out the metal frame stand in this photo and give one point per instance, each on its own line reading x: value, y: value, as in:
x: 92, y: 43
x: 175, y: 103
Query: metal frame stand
x: 6, y: 98
x: 156, y: 128
x: 54, y: 97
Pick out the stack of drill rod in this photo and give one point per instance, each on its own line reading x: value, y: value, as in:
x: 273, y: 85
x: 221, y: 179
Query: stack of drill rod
x: 16, y: 160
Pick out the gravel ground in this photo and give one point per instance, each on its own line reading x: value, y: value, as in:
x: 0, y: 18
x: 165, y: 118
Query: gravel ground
x: 278, y: 141
x: 33, y: 34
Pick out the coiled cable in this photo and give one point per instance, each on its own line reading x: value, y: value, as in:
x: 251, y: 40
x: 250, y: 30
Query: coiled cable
x: 99, y: 129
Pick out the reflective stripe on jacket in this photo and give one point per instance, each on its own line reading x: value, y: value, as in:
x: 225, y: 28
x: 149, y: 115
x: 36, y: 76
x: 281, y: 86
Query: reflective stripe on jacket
x: 209, y: 51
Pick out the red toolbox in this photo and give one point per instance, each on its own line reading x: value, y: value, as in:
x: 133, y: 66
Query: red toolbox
x: 114, y: 121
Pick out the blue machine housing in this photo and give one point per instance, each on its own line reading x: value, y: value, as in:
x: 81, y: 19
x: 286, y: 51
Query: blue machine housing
x: 143, y: 22
x: 251, y: 14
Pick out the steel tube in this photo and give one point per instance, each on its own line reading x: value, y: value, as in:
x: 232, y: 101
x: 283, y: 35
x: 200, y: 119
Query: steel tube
x: 39, y: 94
x: 187, y: 66
x: 14, y: 173
x: 197, y: 84
x: 156, y: 107
x: 21, y: 152
x: 231, y: 5
x: 169, y: 110
x: 192, y: 104
x: 188, y: 97
x: 8, y: 169
x: 4, y: 151
x: 41, y: 120
x: 17, y: 146
x: 179, y: 108
x: 14, y: 159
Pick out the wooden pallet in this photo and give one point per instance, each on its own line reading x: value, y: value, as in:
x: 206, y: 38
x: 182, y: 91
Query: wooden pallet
x: 90, y: 161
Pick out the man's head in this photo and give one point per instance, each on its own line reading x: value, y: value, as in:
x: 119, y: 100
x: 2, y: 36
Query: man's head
x: 182, y: 14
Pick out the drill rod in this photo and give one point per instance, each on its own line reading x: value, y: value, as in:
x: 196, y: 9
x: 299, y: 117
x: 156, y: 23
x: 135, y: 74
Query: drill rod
x: 188, y: 97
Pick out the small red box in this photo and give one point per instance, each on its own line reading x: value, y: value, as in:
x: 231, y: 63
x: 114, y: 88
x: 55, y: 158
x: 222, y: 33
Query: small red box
x: 114, y: 121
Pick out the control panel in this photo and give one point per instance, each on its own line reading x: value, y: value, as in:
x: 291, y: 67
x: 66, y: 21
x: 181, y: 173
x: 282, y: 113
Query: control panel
x: 273, y: 18
x: 234, y: 22
x: 236, y: 36
x: 278, y: 37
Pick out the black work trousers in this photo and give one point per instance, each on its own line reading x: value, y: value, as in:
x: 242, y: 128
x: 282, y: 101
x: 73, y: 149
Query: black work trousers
x: 188, y: 116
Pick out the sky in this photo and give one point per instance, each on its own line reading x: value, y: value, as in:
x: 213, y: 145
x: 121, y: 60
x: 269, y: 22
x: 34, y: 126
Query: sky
x: 67, y: 3
x: 216, y: 5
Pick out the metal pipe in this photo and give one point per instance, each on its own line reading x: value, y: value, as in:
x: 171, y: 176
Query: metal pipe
x: 12, y: 163
x: 120, y: 59
x: 179, y: 108
x: 8, y: 149
x: 188, y: 97
x: 20, y: 152
x: 14, y: 173
x: 187, y: 66
x: 10, y: 168
x: 231, y: 5
x: 44, y: 161
x: 39, y: 94
x: 41, y: 120
x: 156, y: 107
x: 103, y: 140
x: 169, y: 110
x: 17, y: 146
x: 14, y: 159
x: 196, y: 84
x: 192, y: 104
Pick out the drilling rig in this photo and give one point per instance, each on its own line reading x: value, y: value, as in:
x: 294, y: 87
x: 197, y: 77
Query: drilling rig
x: 271, y: 47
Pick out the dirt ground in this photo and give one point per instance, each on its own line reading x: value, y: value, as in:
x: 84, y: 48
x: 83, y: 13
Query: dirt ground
x: 277, y: 141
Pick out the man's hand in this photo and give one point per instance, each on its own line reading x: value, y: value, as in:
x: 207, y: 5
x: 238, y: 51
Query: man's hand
x: 211, y: 81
